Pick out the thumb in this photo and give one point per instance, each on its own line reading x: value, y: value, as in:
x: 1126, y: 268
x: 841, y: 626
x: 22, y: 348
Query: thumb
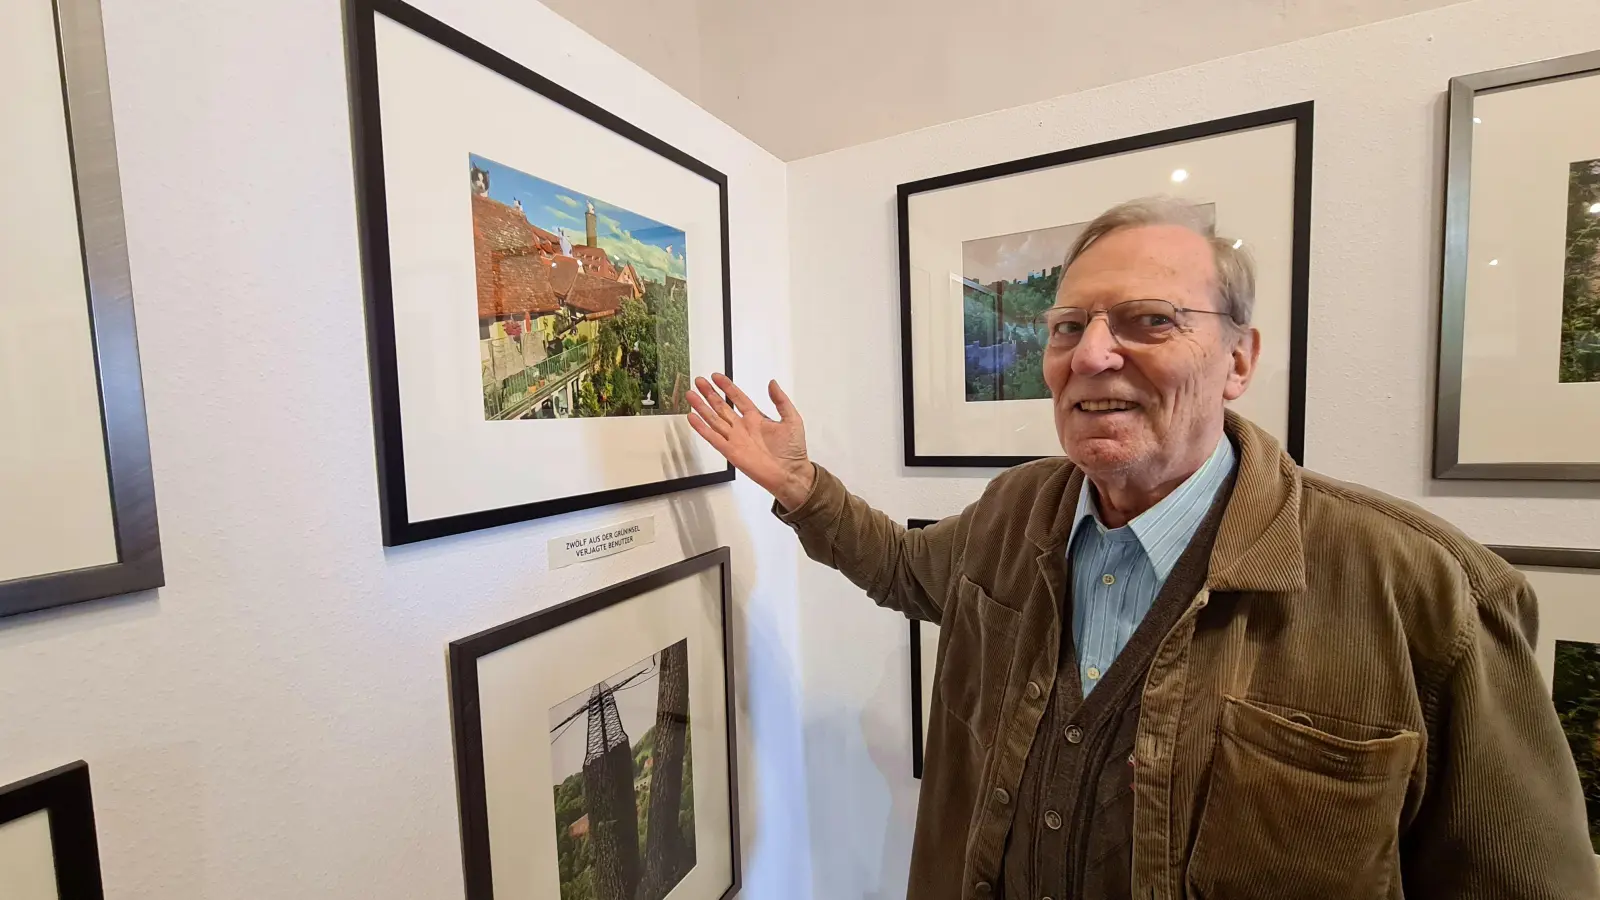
x: 780, y: 400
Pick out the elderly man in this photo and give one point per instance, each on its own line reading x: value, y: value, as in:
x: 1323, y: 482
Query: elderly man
x: 1176, y: 665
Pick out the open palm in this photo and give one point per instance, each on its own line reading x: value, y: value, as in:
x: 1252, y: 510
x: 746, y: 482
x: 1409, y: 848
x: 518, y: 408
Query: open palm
x: 772, y: 452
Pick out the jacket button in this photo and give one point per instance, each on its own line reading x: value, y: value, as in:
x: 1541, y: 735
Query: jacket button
x: 1001, y: 797
x: 1074, y: 734
x: 983, y: 888
x: 1052, y: 820
x: 1032, y: 690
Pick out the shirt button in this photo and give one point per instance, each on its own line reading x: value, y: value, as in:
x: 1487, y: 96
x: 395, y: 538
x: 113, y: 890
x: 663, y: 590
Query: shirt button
x: 1074, y: 734
x: 1052, y: 820
x: 1001, y: 797
x: 1093, y: 673
x: 1032, y: 690
x: 1108, y: 578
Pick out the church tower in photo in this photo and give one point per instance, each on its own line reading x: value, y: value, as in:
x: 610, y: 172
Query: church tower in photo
x: 589, y: 221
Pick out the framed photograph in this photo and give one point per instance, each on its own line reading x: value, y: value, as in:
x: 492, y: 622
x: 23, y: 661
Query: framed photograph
x: 77, y: 501
x: 542, y: 280
x: 48, y: 849
x: 1519, y: 326
x: 1575, y: 688
x: 595, y: 751
x: 1568, y: 656
x: 981, y: 253
x: 924, y: 670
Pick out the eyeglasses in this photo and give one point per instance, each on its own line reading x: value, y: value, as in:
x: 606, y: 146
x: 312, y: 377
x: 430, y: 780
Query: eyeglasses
x: 1139, y: 322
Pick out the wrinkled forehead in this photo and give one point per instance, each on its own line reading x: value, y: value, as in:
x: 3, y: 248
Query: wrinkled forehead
x: 1139, y: 264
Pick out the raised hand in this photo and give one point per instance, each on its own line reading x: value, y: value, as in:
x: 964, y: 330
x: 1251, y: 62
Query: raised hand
x: 772, y: 452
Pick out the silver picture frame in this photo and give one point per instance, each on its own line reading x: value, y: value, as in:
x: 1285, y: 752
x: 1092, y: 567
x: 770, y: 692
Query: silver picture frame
x: 1463, y: 92
x: 91, y: 135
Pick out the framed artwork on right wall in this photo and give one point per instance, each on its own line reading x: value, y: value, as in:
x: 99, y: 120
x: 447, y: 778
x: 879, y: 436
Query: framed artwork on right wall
x: 981, y: 255
x: 1519, y: 328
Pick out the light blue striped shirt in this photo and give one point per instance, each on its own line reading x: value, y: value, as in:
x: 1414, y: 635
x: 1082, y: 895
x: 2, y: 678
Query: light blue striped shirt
x: 1117, y: 572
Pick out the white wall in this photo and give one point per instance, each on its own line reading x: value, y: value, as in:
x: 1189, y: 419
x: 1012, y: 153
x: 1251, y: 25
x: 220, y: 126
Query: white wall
x: 274, y: 723
x: 1379, y: 92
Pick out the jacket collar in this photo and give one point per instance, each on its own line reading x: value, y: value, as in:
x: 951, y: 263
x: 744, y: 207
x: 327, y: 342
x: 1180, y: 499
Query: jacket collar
x: 1258, y: 546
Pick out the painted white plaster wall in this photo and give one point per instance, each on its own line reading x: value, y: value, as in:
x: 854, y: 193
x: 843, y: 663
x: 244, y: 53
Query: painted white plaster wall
x: 1379, y: 92
x: 274, y: 723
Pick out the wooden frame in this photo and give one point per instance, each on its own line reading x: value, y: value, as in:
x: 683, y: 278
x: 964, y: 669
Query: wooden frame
x: 379, y: 286
x: 1464, y: 89
x: 1300, y: 114
x: 466, y: 711
x: 92, y: 141
x: 64, y: 794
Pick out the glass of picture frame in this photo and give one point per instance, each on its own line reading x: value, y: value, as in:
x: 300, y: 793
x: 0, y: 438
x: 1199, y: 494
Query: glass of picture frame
x: 77, y: 497
x: 48, y: 849
x: 582, y: 728
x: 1519, y: 326
x: 543, y: 278
x: 981, y: 252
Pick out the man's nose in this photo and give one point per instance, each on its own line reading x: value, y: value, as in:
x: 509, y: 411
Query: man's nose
x: 1098, y: 350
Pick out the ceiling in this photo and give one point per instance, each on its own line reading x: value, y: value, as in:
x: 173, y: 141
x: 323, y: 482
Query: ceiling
x: 805, y: 78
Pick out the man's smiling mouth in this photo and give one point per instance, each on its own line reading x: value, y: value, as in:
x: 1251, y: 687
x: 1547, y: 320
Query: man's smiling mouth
x: 1105, y: 405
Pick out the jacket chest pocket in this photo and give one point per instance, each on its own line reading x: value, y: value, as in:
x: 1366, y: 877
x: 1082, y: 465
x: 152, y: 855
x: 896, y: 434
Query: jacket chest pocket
x: 1294, y: 812
x: 980, y: 643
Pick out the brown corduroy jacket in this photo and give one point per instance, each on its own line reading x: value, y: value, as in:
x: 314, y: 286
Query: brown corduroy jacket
x: 1350, y: 708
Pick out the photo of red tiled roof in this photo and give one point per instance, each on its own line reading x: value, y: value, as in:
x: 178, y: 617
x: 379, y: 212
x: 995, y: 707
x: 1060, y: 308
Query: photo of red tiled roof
x: 520, y: 269
x: 594, y: 296
x: 520, y: 286
x: 595, y: 261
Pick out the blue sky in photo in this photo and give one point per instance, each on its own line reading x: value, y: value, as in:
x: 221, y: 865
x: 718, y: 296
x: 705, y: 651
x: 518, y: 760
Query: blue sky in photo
x: 625, y: 235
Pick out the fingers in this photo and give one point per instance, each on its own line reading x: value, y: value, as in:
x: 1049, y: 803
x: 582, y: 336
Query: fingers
x: 742, y: 402
x: 703, y: 428
x: 714, y: 400
x: 780, y: 401
x: 705, y: 412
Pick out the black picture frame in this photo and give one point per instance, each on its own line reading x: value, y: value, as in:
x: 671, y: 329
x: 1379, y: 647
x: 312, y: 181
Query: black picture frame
x: 919, y: 715
x: 373, y: 217
x: 1463, y: 91
x: 64, y: 795
x: 1300, y: 114
x: 467, y: 721
x: 91, y: 137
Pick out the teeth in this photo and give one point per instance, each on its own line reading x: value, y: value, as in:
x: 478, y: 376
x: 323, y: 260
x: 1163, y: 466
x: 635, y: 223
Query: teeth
x: 1105, y: 405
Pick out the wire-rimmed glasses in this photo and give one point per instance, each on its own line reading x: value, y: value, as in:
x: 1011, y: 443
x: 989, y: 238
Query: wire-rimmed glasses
x: 1138, y: 322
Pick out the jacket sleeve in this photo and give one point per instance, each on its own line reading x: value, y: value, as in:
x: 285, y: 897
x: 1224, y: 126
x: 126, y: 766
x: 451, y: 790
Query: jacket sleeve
x: 909, y: 571
x: 1503, y: 817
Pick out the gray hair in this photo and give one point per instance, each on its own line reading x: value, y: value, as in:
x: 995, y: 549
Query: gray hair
x: 1236, y: 273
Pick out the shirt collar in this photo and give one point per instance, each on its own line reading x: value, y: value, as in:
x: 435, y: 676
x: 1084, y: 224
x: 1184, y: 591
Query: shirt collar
x: 1164, y: 530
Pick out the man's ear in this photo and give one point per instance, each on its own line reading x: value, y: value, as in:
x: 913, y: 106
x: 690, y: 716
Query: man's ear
x: 1246, y: 353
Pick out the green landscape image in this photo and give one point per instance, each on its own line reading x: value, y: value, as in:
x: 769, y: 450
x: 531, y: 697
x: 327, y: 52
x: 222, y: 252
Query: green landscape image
x: 1577, y: 697
x: 1006, y: 282
x: 624, y: 784
x: 1580, y: 292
